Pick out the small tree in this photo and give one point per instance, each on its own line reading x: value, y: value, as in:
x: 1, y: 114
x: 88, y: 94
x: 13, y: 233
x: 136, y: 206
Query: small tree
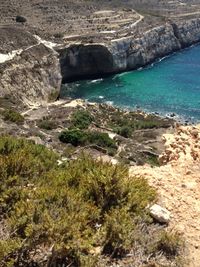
x: 20, y: 19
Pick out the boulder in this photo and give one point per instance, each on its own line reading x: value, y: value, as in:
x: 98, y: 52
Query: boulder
x: 160, y: 214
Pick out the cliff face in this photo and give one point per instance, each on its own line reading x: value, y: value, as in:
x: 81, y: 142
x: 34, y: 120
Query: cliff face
x: 132, y: 53
x: 187, y: 32
x: 82, y: 61
x: 28, y: 72
x: 30, y: 69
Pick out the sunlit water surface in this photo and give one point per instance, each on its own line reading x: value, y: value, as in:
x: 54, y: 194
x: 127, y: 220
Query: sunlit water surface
x: 169, y: 86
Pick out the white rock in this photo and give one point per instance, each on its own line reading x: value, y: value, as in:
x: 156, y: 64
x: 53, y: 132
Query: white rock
x: 160, y: 214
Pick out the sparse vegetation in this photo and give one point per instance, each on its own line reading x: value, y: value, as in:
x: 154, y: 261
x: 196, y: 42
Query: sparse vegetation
x: 170, y: 243
x: 81, y: 119
x: 124, y: 131
x: 12, y: 116
x: 125, y: 123
x: 47, y: 124
x: 153, y: 160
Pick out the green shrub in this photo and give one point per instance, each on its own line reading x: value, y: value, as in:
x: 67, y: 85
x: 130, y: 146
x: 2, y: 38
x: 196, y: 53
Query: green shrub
x: 20, y: 19
x: 82, y: 119
x: 125, y: 131
x: 101, y: 139
x: 12, y: 116
x: 70, y: 210
x: 74, y: 136
x: 20, y: 161
x: 153, y: 160
x: 78, y: 137
x: 118, y: 232
x: 47, y: 124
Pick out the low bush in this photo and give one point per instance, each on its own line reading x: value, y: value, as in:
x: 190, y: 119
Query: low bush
x: 153, y: 160
x: 170, y: 243
x: 82, y: 119
x: 67, y: 215
x: 12, y: 116
x: 101, y: 139
x: 78, y: 137
x: 125, y: 131
x: 74, y: 136
x: 47, y: 124
x: 20, y: 19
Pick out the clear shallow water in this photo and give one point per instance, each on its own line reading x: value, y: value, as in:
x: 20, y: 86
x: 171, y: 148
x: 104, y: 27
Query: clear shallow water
x: 169, y: 86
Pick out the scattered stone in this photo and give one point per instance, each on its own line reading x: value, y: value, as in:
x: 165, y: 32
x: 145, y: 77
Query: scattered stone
x: 160, y: 214
x: 49, y: 139
x: 36, y: 139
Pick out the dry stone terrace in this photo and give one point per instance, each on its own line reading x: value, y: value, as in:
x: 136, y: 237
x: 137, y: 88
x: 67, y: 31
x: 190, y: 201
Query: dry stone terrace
x: 107, y: 24
x: 95, y: 20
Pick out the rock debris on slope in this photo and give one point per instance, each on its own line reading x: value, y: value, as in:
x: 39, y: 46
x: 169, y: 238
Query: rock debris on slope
x: 178, y: 184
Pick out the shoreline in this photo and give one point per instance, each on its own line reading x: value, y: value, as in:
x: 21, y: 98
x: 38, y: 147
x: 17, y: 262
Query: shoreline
x: 182, y: 119
x: 148, y: 65
x: 173, y: 116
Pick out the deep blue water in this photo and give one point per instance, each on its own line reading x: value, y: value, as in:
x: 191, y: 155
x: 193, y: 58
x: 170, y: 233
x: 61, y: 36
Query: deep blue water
x: 169, y: 86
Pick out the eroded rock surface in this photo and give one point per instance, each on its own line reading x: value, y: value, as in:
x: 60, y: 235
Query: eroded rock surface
x: 29, y: 70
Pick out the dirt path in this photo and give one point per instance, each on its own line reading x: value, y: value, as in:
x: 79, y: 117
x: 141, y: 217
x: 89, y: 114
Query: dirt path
x: 141, y: 17
x: 12, y: 54
x: 186, y: 15
x: 178, y: 184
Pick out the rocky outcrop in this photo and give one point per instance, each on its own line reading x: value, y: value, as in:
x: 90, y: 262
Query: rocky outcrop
x: 183, y: 146
x: 29, y: 70
x: 95, y: 60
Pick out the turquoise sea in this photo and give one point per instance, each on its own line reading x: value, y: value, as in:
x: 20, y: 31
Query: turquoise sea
x: 171, y: 85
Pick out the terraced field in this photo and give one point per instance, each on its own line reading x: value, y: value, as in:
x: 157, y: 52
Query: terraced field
x: 95, y: 19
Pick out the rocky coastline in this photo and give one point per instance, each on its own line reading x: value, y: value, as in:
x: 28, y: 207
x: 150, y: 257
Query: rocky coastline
x: 42, y: 65
x: 80, y: 61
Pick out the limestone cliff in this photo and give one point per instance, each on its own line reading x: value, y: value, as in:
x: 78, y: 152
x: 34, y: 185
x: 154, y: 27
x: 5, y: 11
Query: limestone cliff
x: 87, y: 60
x: 29, y: 70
